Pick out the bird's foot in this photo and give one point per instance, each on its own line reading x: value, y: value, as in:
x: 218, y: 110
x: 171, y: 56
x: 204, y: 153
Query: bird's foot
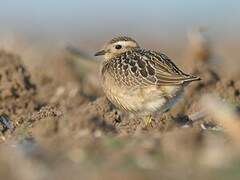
x: 148, y: 121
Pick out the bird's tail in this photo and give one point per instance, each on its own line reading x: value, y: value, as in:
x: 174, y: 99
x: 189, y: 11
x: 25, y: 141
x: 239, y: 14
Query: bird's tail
x: 191, y: 78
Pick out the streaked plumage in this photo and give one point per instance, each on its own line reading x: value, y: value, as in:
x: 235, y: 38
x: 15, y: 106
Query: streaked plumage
x: 139, y: 80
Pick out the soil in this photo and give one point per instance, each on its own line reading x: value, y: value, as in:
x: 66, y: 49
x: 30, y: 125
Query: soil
x: 61, y: 126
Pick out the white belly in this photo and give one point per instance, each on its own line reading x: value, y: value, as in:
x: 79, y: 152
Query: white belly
x: 143, y: 100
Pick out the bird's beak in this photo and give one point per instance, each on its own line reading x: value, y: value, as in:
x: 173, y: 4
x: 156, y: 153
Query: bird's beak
x: 100, y: 53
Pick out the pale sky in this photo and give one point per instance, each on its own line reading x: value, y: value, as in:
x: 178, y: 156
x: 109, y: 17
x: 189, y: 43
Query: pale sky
x: 87, y: 20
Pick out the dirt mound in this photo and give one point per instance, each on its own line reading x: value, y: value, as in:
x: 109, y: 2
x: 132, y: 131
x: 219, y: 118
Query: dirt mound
x: 17, y: 91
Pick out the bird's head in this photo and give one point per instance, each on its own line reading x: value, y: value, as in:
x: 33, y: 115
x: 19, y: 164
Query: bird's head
x: 117, y: 46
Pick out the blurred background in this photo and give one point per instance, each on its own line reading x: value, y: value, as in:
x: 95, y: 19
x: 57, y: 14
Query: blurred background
x: 88, y: 24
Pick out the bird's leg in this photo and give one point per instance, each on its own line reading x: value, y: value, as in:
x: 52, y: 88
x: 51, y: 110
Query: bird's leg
x: 148, y: 120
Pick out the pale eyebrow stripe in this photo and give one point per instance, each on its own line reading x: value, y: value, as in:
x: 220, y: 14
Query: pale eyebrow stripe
x: 126, y: 43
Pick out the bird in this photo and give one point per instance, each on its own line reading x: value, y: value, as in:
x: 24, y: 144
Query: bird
x: 140, y: 81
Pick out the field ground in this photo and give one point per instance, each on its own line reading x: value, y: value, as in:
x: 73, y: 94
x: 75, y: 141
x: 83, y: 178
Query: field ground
x: 62, y: 126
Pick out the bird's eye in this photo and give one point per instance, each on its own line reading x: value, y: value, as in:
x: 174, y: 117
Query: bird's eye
x: 118, y: 46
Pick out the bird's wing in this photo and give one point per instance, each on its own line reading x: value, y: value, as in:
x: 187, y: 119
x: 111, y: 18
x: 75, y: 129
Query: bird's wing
x: 156, y: 68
